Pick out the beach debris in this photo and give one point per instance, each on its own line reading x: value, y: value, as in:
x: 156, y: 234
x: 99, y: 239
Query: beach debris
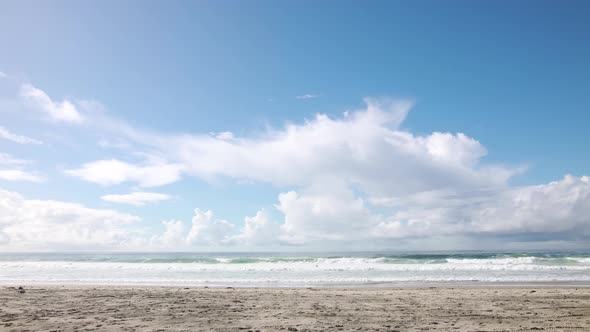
x: 21, y: 289
x: 292, y: 329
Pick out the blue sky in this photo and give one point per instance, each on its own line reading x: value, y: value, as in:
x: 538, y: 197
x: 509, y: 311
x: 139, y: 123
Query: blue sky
x: 512, y: 76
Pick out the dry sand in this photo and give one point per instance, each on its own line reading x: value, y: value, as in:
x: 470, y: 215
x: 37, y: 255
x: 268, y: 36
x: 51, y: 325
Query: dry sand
x: 322, y: 309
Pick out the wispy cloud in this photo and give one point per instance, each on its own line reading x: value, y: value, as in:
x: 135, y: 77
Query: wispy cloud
x: 136, y: 198
x: 19, y: 175
x: 6, y: 159
x: 308, y: 96
x: 64, y: 111
x: 224, y: 135
x: 20, y: 139
x: 111, y: 172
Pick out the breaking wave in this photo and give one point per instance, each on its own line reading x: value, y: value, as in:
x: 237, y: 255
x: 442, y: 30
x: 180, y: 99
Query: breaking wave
x: 292, y: 270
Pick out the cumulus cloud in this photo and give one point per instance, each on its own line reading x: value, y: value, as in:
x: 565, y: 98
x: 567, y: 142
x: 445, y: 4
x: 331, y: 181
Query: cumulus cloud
x: 113, y: 171
x: 173, y: 236
x: 259, y: 230
x: 20, y: 139
x: 327, y: 210
x: 53, y: 225
x: 64, y: 111
x: 366, y: 148
x: 555, y: 210
x: 208, y: 231
x: 357, y: 177
x: 559, y: 207
x: 136, y: 198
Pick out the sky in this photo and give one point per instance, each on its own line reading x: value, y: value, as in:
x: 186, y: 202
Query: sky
x: 294, y: 125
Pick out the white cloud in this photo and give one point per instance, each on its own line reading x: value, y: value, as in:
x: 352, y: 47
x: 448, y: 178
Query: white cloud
x: 316, y: 216
x: 359, y: 177
x: 259, y: 230
x: 20, y: 139
x: 366, y: 149
x: 110, y: 172
x: 325, y: 211
x: 207, y: 231
x: 174, y: 235
x: 453, y: 149
x: 136, y: 198
x: 56, y: 225
x: 553, y: 210
x: 19, y: 175
x: 6, y: 159
x: 416, y: 186
x: 64, y: 111
x: 308, y: 96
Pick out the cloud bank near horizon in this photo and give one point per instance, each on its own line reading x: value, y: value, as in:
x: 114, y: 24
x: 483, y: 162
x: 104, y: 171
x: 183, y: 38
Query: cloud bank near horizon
x: 358, y: 178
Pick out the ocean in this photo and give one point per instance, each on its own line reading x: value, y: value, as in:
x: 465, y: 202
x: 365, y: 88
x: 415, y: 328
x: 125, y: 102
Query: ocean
x: 295, y: 269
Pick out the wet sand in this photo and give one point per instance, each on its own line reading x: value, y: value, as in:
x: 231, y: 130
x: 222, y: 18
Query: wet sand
x: 51, y: 308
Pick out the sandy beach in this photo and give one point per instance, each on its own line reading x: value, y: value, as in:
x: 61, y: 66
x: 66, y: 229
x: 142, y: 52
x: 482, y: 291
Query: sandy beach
x: 80, y: 308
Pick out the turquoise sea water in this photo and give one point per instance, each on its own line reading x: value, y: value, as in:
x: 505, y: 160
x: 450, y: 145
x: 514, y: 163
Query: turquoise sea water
x: 295, y: 269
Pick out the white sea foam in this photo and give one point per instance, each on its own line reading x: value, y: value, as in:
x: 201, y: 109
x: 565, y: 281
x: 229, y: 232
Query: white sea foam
x: 293, y: 271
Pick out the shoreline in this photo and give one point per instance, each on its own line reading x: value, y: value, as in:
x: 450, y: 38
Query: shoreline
x: 166, y: 308
x: 370, y: 285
